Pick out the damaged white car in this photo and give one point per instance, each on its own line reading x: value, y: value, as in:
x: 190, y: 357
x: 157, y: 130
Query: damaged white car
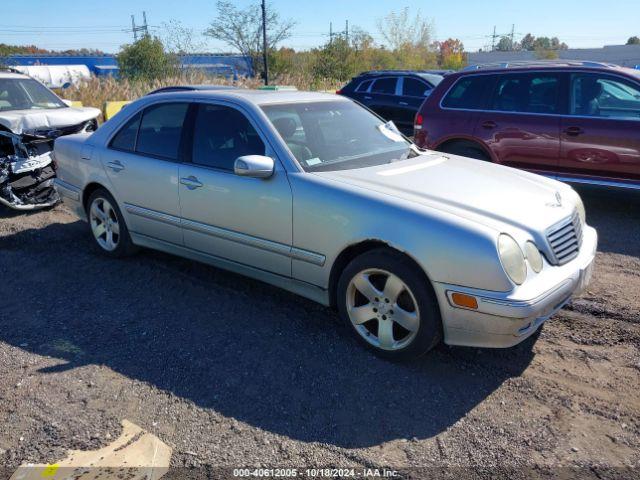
x: 31, y: 118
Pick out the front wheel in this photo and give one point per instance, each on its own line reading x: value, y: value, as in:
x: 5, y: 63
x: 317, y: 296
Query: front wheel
x: 389, y: 305
x: 466, y: 150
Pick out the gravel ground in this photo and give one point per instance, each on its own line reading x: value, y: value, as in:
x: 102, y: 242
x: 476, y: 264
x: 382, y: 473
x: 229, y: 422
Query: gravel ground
x: 232, y: 372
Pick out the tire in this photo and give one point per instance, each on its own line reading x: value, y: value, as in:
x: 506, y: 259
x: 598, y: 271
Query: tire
x: 107, y: 226
x: 466, y: 150
x: 407, y: 333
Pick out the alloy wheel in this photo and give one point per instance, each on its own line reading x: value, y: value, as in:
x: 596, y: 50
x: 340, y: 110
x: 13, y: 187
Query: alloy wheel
x: 104, y: 224
x: 382, y: 309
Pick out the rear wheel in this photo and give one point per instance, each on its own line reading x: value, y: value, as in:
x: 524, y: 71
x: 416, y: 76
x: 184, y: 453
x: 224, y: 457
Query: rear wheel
x: 389, y: 305
x: 465, y: 149
x: 107, y: 225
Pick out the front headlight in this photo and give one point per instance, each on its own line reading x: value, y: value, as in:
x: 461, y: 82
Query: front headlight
x: 512, y: 259
x: 534, y: 257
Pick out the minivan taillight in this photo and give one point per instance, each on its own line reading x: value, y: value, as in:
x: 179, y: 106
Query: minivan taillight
x: 418, y: 122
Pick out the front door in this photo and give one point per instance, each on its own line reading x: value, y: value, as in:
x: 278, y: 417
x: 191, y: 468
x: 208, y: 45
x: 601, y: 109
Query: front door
x: 142, y: 162
x: 601, y: 135
x: 245, y: 220
x: 521, y: 124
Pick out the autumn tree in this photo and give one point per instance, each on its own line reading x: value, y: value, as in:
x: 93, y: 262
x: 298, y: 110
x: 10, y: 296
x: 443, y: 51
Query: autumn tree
x: 527, y: 42
x: 401, y: 29
x: 505, y: 44
x: 451, y: 55
x: 241, y: 28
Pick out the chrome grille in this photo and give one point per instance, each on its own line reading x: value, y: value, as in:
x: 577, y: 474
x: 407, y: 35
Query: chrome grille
x: 565, y: 240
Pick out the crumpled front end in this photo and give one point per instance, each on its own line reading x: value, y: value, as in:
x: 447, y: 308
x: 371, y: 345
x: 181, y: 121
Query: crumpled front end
x: 27, y: 170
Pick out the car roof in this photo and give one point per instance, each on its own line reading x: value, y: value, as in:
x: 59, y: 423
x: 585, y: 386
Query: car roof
x: 256, y: 97
x: 11, y: 73
x: 374, y: 73
x: 190, y: 88
x: 568, y: 65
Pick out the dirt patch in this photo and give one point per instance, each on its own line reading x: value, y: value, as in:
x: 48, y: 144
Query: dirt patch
x: 231, y: 372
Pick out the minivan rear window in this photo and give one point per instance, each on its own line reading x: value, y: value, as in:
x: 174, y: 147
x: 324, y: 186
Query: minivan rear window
x: 468, y: 92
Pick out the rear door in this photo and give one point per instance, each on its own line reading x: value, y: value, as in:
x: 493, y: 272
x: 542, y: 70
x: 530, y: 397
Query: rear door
x: 600, y: 137
x: 361, y: 92
x: 142, y: 164
x: 383, y: 97
x: 522, y: 124
x: 413, y: 93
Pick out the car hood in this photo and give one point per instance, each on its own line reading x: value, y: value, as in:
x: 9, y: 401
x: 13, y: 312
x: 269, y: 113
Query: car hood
x: 491, y: 194
x: 21, y: 121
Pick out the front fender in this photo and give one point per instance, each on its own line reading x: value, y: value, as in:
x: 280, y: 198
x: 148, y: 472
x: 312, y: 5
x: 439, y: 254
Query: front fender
x: 329, y: 218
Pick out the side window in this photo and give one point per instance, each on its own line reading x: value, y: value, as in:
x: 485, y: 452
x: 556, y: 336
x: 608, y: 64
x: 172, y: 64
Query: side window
x: 222, y: 134
x: 364, y: 86
x: 125, y: 139
x: 468, y: 93
x: 544, y: 94
x: 595, y: 96
x: 385, y: 85
x: 412, y: 87
x: 526, y: 93
x: 161, y: 129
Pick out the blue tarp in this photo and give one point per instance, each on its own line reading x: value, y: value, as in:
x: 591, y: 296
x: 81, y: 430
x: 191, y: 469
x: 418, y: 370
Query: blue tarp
x: 226, y: 65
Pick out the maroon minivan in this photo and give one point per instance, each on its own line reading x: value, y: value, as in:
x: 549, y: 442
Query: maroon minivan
x: 575, y: 121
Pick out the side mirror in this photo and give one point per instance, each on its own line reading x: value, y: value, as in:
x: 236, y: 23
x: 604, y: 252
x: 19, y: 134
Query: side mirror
x: 256, y: 166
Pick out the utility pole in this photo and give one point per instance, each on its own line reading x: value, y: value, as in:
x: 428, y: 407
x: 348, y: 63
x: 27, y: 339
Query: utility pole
x: 143, y: 29
x: 264, y: 43
x: 346, y: 32
x: 493, y: 39
x: 513, y: 31
x: 330, y: 32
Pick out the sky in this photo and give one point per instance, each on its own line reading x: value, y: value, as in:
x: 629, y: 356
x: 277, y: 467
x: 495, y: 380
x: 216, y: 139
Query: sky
x: 106, y: 24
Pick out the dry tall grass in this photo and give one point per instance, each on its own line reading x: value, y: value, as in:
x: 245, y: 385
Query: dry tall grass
x: 97, y: 90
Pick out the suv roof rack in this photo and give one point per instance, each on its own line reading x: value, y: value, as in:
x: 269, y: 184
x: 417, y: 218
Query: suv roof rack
x: 540, y: 63
x: 191, y: 88
x: 386, y: 72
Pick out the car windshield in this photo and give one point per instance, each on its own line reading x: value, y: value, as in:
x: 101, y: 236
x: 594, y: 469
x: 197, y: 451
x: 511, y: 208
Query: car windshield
x: 26, y: 94
x: 432, y: 78
x: 337, y: 135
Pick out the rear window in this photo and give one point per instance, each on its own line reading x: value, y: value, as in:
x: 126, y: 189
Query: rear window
x: 468, y: 92
x: 385, y: 85
x: 364, y: 86
x: 125, y: 139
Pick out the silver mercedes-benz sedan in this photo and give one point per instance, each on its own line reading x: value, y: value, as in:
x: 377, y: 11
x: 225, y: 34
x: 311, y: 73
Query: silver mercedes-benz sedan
x: 315, y: 194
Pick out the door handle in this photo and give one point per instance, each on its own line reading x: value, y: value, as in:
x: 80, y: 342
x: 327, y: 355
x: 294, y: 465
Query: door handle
x: 115, y: 166
x: 489, y: 124
x: 574, y: 131
x: 404, y: 104
x: 367, y: 98
x: 191, y: 182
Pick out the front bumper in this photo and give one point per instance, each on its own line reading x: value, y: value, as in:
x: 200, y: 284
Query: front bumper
x: 506, y: 319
